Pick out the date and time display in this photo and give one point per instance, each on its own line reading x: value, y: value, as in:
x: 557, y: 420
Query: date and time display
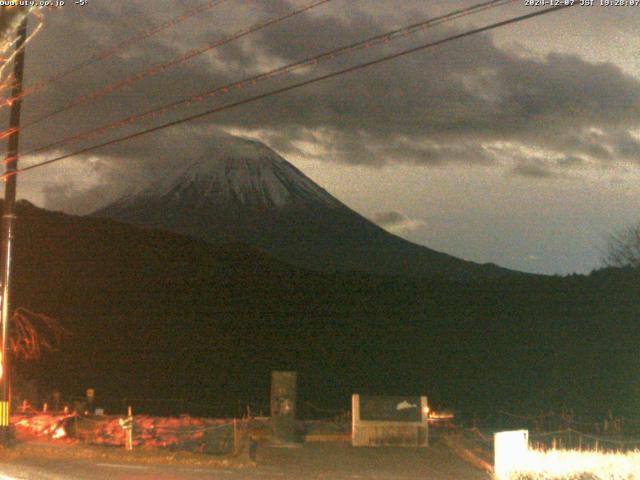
x: 42, y: 3
x: 527, y: 3
x: 583, y: 3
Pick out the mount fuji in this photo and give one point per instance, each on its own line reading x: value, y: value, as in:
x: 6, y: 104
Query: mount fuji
x: 247, y: 193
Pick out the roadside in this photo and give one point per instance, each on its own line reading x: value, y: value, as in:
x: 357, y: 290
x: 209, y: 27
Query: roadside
x: 326, y: 460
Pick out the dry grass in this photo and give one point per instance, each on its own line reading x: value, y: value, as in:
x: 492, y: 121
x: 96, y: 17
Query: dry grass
x: 582, y: 465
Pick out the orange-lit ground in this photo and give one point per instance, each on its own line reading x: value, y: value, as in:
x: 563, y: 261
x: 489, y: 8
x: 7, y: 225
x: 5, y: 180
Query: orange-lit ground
x: 187, y: 433
x: 39, y: 454
x: 322, y: 460
x: 40, y: 425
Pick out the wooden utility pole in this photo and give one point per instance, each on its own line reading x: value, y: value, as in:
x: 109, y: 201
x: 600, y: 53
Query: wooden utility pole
x: 7, y: 228
x: 10, y: 20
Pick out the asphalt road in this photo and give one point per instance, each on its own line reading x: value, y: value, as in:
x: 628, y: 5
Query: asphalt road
x: 333, y: 461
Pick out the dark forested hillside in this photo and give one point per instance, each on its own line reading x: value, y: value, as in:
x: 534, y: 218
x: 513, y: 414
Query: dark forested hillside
x: 155, y: 314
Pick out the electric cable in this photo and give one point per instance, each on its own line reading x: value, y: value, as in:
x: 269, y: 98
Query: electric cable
x: 163, y: 67
x: 110, y: 52
x: 287, y: 69
x: 358, y: 67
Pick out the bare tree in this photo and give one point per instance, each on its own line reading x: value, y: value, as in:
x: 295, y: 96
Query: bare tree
x: 34, y: 333
x: 623, y: 249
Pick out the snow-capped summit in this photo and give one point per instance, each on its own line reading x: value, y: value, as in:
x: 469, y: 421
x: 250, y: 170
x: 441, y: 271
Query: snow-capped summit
x: 242, y: 191
x: 254, y: 176
x: 240, y: 174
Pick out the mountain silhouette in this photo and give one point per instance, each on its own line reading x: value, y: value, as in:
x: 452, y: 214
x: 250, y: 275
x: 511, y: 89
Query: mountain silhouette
x: 247, y: 193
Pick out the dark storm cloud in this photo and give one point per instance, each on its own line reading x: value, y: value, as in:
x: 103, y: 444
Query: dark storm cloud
x: 469, y: 90
x: 449, y: 104
x: 544, y: 104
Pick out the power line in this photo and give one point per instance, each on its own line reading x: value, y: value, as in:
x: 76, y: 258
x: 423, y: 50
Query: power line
x: 252, y: 81
x: 103, y: 55
x: 294, y: 86
x: 163, y: 67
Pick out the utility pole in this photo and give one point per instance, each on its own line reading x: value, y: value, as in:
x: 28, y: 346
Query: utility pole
x: 7, y: 227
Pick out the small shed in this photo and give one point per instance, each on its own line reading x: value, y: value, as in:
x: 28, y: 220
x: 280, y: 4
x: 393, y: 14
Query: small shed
x: 399, y: 421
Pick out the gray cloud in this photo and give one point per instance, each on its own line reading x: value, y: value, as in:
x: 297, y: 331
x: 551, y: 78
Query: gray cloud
x: 387, y: 219
x: 532, y: 171
x: 453, y: 104
x: 397, y: 222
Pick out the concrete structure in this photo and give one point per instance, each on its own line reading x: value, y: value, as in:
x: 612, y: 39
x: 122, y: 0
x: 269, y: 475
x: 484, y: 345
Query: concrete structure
x: 389, y: 421
x: 510, y: 452
x: 283, y: 407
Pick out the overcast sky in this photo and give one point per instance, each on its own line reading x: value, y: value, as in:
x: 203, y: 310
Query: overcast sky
x: 520, y: 146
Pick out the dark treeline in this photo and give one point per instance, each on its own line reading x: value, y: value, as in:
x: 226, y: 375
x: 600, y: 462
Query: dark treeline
x: 160, y: 315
